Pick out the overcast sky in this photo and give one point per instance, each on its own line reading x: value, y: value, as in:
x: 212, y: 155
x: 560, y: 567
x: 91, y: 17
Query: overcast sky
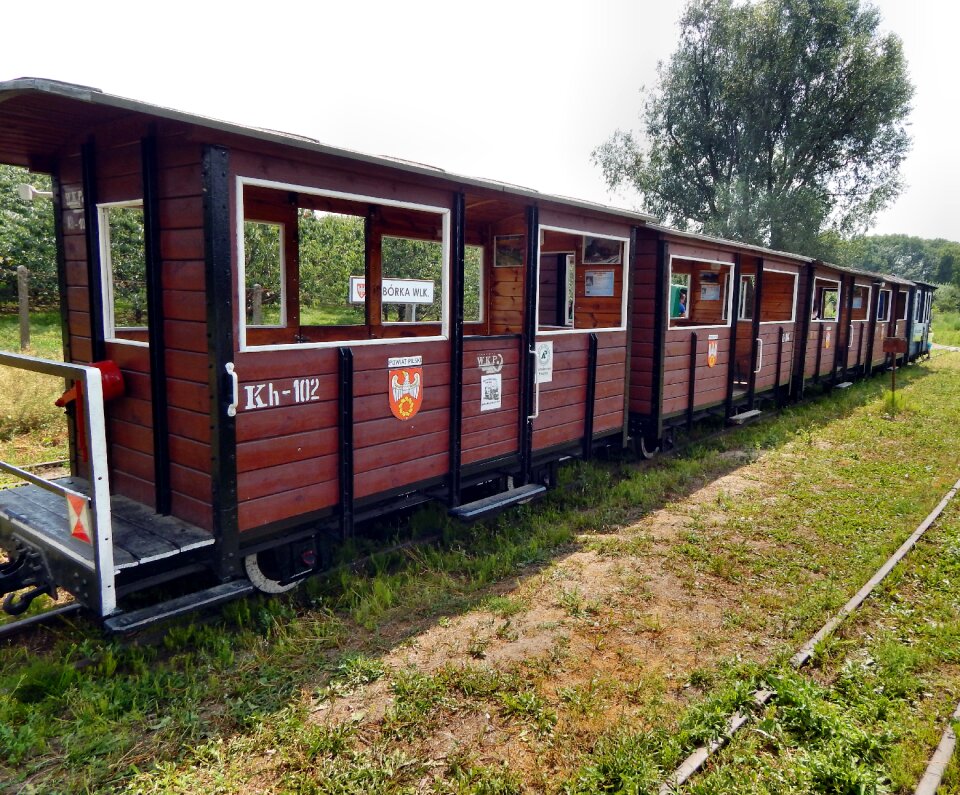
x: 514, y: 91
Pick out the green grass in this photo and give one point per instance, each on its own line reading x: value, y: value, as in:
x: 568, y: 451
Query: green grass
x: 305, y: 692
x: 946, y: 328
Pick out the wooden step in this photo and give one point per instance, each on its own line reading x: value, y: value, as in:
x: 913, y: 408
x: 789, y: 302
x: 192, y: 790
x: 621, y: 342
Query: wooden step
x: 844, y: 385
x: 744, y: 416
x: 138, y: 619
x: 472, y: 511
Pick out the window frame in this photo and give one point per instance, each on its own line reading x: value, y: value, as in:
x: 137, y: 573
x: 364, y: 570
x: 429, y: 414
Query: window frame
x: 106, y: 275
x: 728, y: 303
x: 283, y: 276
x: 793, y: 306
x: 403, y: 278
x: 906, y: 304
x: 744, y: 279
x: 625, y: 281
x: 889, y: 293
x: 866, y: 318
x: 838, y: 288
x: 240, y: 181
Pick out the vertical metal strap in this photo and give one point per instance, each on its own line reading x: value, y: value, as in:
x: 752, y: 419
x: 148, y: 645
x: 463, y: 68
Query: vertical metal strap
x: 345, y: 428
x: 628, y: 285
x: 91, y: 220
x: 155, y: 318
x: 802, y: 331
x: 590, y: 403
x: 755, y: 332
x: 661, y: 306
x: 528, y: 343
x: 64, y: 313
x: 456, y: 348
x: 218, y: 260
x: 692, y: 379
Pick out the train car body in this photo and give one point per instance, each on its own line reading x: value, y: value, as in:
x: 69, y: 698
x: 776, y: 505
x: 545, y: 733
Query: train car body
x: 921, y: 315
x: 307, y: 337
x: 268, y: 340
x: 713, y: 329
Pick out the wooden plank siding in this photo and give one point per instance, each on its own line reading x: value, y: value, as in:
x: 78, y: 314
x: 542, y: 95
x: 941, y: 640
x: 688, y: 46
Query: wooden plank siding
x: 129, y: 419
x: 494, y: 433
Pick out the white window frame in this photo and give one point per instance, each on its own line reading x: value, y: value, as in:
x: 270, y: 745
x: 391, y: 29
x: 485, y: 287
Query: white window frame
x: 906, y: 305
x: 744, y: 278
x: 443, y: 212
x: 483, y: 279
x: 839, y: 289
x: 283, y: 276
x: 793, y: 306
x: 889, y: 293
x: 869, y: 287
x: 728, y: 304
x: 625, y: 277
x: 106, y: 275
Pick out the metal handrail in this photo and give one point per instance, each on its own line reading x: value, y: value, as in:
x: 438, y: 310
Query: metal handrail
x: 99, y: 497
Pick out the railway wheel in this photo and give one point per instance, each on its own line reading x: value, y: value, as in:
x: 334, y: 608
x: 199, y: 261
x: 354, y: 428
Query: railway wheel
x: 266, y: 572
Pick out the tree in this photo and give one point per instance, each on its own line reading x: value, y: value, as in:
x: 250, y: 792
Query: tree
x: 27, y: 238
x: 772, y: 121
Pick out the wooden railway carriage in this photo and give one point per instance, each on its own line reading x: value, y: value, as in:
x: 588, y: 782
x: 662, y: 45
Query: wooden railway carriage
x: 713, y: 329
x: 306, y: 336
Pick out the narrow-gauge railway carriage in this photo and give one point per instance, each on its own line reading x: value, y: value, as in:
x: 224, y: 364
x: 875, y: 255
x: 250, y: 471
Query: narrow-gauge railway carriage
x: 267, y: 340
x: 305, y: 336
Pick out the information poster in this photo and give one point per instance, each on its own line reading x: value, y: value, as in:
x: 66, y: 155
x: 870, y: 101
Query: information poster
x: 491, y: 392
x: 598, y: 283
x: 544, y: 362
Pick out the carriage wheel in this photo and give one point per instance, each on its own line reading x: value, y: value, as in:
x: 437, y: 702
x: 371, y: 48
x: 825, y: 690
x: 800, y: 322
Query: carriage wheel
x: 266, y: 576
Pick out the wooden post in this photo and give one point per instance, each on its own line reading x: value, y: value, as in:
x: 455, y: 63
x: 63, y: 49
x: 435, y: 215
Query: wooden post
x: 257, y: 308
x: 23, y: 296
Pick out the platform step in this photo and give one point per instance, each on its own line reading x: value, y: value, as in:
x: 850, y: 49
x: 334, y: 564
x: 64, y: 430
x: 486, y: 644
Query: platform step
x: 844, y: 385
x: 138, y: 619
x: 744, y: 416
x: 472, y: 511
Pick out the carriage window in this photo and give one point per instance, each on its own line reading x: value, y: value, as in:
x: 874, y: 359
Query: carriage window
x: 883, y: 306
x: 580, y: 281
x: 473, y: 284
x: 412, y: 280
x: 778, y: 303
x: 124, y: 265
x: 331, y: 247
x: 861, y: 303
x: 263, y: 273
x: 747, y: 297
x: 699, y: 293
x: 826, y: 302
x: 901, y: 306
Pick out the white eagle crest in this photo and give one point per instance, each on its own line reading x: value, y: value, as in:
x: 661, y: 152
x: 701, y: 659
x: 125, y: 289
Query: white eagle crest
x: 408, y: 387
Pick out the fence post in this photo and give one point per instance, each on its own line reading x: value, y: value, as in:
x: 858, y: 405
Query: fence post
x: 257, y: 309
x: 23, y: 298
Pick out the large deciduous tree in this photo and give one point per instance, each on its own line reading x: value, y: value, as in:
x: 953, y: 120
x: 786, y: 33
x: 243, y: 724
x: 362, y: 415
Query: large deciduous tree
x: 773, y: 121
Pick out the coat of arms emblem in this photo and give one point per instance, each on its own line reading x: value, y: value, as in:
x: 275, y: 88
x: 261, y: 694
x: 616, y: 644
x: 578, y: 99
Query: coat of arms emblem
x: 405, y: 385
x: 712, y: 347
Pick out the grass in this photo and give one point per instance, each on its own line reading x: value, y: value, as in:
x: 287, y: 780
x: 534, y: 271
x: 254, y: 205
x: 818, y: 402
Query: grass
x: 32, y: 429
x: 582, y: 644
x: 946, y: 328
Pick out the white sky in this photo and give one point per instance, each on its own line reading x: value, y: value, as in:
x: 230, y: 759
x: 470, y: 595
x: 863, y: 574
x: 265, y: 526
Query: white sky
x: 515, y: 91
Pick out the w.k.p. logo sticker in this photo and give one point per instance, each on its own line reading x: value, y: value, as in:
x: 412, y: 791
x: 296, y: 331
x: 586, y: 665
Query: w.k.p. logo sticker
x: 405, y: 385
x: 78, y: 517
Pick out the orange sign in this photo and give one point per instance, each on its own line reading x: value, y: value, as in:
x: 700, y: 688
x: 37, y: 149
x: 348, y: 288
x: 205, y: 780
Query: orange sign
x: 78, y: 517
x: 712, y: 353
x: 405, y: 380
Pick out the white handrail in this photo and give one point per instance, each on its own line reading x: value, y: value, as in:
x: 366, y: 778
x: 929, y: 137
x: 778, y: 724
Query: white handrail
x: 100, y: 515
x: 759, y: 355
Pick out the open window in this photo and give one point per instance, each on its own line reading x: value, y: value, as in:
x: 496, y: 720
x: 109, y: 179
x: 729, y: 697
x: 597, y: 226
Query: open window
x: 778, y: 304
x: 580, y: 281
x: 123, y: 262
x: 826, y: 300
x: 319, y: 267
x: 699, y: 293
x: 860, y: 307
x: 901, y: 305
x: 883, y: 306
x: 747, y: 297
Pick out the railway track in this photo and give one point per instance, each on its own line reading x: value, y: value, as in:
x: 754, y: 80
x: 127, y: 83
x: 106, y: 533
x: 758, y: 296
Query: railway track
x: 697, y: 759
